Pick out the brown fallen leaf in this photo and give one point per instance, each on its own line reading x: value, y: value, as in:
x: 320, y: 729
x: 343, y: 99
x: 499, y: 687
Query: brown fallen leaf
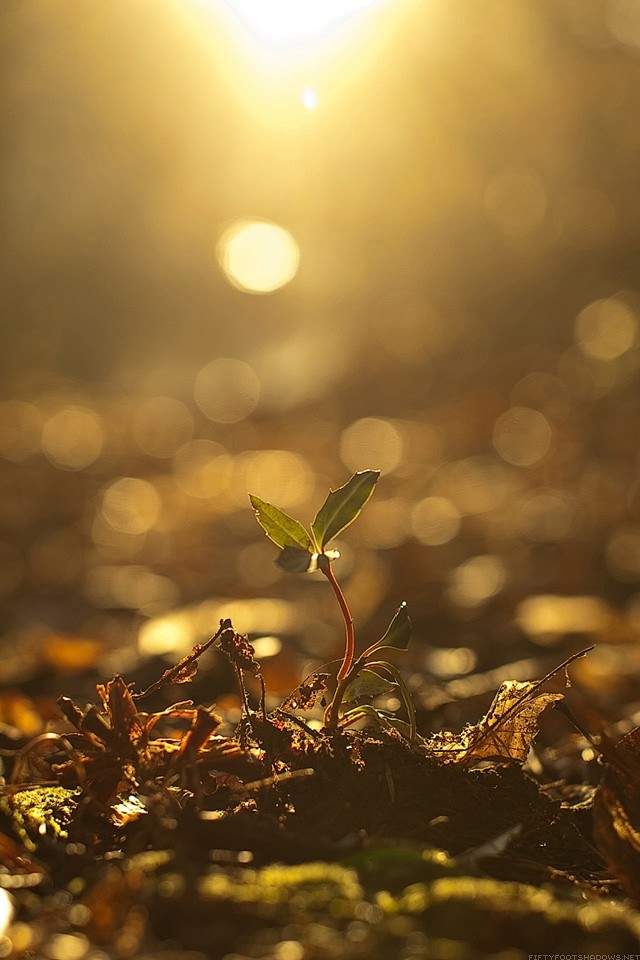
x: 505, y: 733
x: 507, y: 730
x: 616, y: 811
x: 306, y: 694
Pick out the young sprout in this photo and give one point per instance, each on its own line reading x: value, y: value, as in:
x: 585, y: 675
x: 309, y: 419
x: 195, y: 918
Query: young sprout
x: 361, y: 677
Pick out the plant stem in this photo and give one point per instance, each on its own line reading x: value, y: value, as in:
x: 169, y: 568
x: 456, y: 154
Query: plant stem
x: 404, y: 691
x: 332, y: 711
x: 350, y: 640
x: 346, y: 667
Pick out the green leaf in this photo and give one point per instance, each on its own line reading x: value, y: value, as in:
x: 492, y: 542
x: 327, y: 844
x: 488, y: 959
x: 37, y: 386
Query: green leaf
x: 368, y: 684
x: 295, y: 560
x: 398, y: 632
x: 342, y: 506
x: 366, y: 712
x: 279, y: 526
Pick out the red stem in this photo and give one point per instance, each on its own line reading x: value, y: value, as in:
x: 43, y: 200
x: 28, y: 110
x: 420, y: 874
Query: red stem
x: 350, y: 640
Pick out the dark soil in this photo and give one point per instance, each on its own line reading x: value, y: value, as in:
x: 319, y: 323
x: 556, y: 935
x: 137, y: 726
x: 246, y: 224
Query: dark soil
x: 288, y: 843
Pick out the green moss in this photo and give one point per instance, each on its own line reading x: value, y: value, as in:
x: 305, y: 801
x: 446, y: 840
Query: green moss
x: 304, y: 887
x: 491, y: 912
x: 36, y: 812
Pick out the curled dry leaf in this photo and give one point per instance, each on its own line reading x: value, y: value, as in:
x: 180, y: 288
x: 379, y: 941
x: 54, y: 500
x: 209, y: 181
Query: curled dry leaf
x: 239, y: 651
x: 305, y: 696
x: 616, y: 812
x: 504, y: 734
x: 116, y: 749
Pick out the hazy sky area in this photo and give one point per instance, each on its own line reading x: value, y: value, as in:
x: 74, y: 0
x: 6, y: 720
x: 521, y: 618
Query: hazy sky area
x: 466, y: 173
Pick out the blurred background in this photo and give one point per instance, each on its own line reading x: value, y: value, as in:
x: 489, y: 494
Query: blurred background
x: 257, y: 246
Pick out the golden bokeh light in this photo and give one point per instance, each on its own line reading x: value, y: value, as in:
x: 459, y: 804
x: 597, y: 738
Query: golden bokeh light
x: 130, y: 505
x: 477, y: 580
x: 72, y: 438
x: 300, y: 368
x: 277, y: 476
x: 268, y: 646
x: 475, y: 485
x: 177, y: 631
x: 546, y: 516
x: 130, y: 586
x: 255, y: 565
x: 161, y: 425
x: 543, y: 391
x: 167, y: 634
x: 227, y: 390
x: 606, y: 329
x: 258, y: 256
x: 522, y: 436
x: 623, y: 553
x: 435, y: 520
x: 547, y: 616
x: 282, y: 22
x: 447, y: 662
x: 385, y: 523
x: 372, y: 443
x: 202, y: 469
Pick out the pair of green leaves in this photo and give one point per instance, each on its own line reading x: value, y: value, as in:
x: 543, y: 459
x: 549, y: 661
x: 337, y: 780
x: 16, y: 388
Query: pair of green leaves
x: 302, y: 550
x: 306, y: 551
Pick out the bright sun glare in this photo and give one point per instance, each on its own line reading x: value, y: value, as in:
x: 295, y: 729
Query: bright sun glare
x: 257, y: 256
x: 285, y: 21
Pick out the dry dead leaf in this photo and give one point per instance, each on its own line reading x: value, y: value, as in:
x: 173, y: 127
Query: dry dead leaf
x: 505, y: 733
x: 616, y: 812
x: 507, y: 730
x: 306, y: 694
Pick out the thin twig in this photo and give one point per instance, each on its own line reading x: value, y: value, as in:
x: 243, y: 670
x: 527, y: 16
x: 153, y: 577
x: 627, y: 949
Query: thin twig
x: 169, y: 675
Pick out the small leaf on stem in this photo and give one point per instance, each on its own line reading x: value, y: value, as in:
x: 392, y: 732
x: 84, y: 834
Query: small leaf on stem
x: 398, y: 632
x: 342, y: 506
x: 296, y: 560
x: 279, y: 526
x: 368, y: 684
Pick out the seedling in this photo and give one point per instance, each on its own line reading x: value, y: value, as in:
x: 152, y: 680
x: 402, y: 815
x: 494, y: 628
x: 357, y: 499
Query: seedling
x: 366, y: 676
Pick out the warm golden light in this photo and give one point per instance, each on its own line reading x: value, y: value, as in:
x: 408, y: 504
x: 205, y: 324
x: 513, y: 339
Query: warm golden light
x: 274, y: 474
x: 257, y: 256
x: 281, y: 22
x: 372, y: 440
x: 227, y: 390
x: 309, y: 98
x: 130, y: 505
x: 477, y: 580
x: 606, y: 329
x: 522, y: 436
x: 161, y: 425
x: 435, y: 520
x: 72, y: 438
